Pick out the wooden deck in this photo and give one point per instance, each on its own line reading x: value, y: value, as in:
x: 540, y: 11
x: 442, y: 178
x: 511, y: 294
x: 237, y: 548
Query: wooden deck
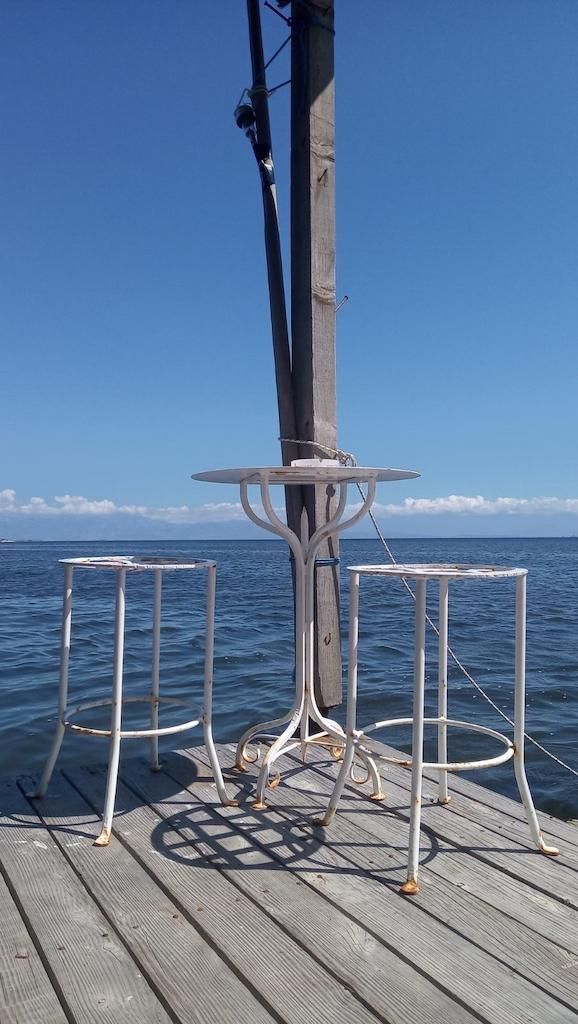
x: 201, y: 913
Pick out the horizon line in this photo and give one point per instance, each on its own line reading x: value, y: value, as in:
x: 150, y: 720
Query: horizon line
x: 280, y: 540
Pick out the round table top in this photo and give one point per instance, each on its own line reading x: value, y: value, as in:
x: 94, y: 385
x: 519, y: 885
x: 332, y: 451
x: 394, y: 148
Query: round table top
x: 424, y: 570
x: 134, y: 563
x: 321, y: 474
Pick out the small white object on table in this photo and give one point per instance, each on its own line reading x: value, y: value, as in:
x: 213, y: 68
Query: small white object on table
x: 304, y: 472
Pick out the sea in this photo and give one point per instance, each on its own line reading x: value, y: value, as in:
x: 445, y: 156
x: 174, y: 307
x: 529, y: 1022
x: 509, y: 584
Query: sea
x: 254, y: 668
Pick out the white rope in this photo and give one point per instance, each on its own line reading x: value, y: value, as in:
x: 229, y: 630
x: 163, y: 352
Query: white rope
x: 347, y: 459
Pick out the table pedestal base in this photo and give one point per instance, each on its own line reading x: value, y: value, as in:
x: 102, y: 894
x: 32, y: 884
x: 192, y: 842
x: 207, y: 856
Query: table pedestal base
x: 304, y: 709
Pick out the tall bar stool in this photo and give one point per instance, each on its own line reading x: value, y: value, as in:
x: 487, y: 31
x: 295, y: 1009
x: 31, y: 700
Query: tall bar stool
x: 442, y: 574
x: 121, y: 565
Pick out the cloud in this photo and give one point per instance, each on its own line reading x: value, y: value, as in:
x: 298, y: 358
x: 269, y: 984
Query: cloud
x: 74, y: 505
x: 66, y: 505
x: 461, y: 504
x: 7, y: 500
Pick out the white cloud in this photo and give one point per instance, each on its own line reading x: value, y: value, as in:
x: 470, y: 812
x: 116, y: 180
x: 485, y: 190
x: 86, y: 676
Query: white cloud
x: 7, y: 500
x: 74, y: 505
x: 478, y: 505
x: 221, y: 512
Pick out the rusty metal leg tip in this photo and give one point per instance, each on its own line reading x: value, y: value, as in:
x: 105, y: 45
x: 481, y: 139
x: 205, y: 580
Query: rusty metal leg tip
x: 259, y: 805
x: 409, y: 888
x: 549, y: 851
x: 104, y: 838
x: 321, y: 822
x: 444, y: 801
x: 238, y: 768
x: 230, y: 803
x: 377, y: 796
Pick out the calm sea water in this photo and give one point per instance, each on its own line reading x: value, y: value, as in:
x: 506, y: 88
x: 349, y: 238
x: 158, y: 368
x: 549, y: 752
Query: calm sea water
x: 253, y: 645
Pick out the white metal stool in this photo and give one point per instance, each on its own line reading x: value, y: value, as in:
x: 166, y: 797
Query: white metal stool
x: 122, y: 565
x: 355, y: 737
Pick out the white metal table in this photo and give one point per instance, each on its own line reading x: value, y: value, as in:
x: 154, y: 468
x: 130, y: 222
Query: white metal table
x: 307, y: 472
x: 121, y: 565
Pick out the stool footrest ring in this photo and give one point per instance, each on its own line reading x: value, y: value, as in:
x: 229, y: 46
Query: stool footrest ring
x: 450, y: 766
x: 131, y: 733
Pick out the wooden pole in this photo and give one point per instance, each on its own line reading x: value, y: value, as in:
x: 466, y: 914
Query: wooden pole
x: 313, y: 294
x: 260, y: 137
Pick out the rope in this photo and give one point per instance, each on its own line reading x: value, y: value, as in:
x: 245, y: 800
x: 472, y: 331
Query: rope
x: 347, y: 459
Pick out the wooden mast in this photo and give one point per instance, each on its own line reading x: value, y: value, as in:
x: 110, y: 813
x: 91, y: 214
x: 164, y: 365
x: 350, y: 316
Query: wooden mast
x: 313, y: 294
x: 305, y: 374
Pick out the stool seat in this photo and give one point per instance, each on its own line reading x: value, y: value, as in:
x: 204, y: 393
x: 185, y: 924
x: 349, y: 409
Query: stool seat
x: 133, y: 564
x: 355, y: 744
x: 447, y: 571
x: 123, y: 565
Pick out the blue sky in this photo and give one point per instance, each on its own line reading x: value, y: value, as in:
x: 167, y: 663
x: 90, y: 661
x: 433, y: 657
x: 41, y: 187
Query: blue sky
x: 133, y: 305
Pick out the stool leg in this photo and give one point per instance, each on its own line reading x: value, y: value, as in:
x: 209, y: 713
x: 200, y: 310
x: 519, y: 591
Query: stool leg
x: 208, y: 689
x: 350, y: 728
x: 374, y: 777
x: 116, y: 716
x: 62, y: 685
x: 304, y: 730
x: 411, y: 887
x: 519, y: 716
x: 155, y: 668
x: 443, y: 795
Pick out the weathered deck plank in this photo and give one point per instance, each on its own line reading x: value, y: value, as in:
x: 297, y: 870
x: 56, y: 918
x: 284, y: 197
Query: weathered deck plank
x: 519, y: 859
x: 538, y: 957
x: 26, y: 994
x: 96, y: 978
x: 454, y: 862
x: 483, y: 983
x: 201, y: 913
x: 185, y: 971
x: 491, y: 801
x: 378, y: 976
x: 497, y: 813
x: 210, y: 897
